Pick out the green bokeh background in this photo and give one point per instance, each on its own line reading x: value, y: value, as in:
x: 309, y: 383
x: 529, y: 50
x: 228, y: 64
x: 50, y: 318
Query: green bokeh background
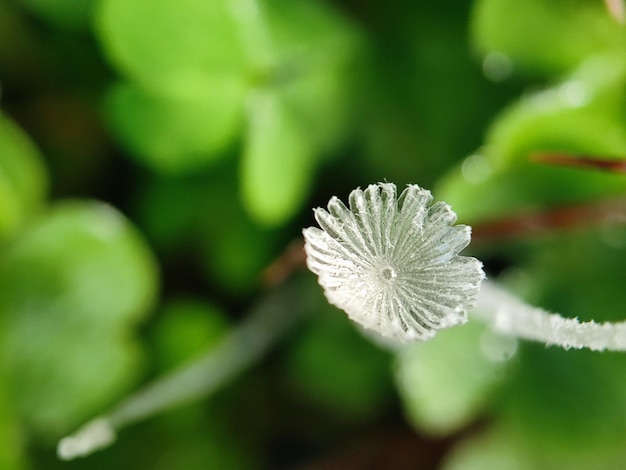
x: 156, y: 157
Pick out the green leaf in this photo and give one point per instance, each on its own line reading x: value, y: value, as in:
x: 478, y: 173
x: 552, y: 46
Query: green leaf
x: 317, y: 56
x: 571, y: 398
x: 574, y: 400
x: 171, y: 45
x: 63, y: 13
x: 232, y: 255
x: 217, y: 446
x: 12, y: 435
x: 550, y: 268
x: 446, y: 382
x: 502, y: 446
x: 308, y: 27
x: 72, y: 289
x: 491, y: 449
x: 23, y: 179
x: 177, y: 133
x: 278, y: 164
x: 322, y: 102
x: 334, y: 366
x: 546, y: 37
x: 564, y: 409
x: 185, y: 329
x: 580, y: 116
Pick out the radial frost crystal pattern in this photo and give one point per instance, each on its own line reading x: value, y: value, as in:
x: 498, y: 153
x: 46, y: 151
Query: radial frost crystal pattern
x: 392, y: 263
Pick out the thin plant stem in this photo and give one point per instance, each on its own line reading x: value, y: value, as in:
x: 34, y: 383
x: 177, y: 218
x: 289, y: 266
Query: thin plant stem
x: 503, y: 311
x: 509, y: 315
x: 268, y: 322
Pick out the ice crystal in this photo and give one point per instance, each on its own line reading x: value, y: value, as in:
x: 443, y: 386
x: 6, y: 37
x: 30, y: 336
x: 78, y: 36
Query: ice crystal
x: 392, y: 263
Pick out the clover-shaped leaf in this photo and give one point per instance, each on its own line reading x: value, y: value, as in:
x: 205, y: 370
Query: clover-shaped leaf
x: 169, y: 45
x: 175, y: 133
x: 195, y: 67
x: 72, y: 288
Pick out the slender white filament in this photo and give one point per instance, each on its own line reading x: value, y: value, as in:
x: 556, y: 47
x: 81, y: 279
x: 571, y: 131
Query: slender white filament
x: 244, y: 346
x: 96, y: 434
x: 509, y: 315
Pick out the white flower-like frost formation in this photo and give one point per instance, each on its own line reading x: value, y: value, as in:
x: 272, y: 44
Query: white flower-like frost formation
x: 392, y: 263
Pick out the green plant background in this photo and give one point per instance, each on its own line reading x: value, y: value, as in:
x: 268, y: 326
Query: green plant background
x: 156, y: 157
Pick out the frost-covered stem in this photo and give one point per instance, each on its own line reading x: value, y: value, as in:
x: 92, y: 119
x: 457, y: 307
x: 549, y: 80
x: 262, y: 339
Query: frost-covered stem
x: 509, y: 315
x: 244, y: 346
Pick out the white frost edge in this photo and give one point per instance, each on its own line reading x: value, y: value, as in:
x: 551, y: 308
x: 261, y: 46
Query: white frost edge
x: 94, y: 435
x: 509, y: 315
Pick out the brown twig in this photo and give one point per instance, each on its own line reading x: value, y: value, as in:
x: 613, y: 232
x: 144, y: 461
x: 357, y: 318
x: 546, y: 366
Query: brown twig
x: 580, y: 161
x: 282, y: 267
x: 552, y: 219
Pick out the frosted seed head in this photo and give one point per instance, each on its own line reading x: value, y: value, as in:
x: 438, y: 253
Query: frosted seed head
x: 392, y: 262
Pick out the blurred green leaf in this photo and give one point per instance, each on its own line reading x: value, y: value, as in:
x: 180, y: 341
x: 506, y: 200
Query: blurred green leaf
x: 491, y: 449
x: 318, y: 58
x: 562, y: 410
x: 211, y: 449
x: 503, y: 449
x: 235, y: 254
x: 72, y: 288
x: 321, y: 103
x: 583, y: 113
x: 185, y: 329
x: 23, y: 178
x: 447, y: 382
x: 12, y: 435
x: 333, y: 365
x: 572, y: 399
x: 181, y: 213
x: 68, y: 14
x: 306, y: 26
x: 580, y: 116
x: 171, y: 46
x: 277, y: 162
x: 193, y: 68
x: 169, y: 210
x: 543, y: 36
x: 549, y: 268
x: 178, y: 133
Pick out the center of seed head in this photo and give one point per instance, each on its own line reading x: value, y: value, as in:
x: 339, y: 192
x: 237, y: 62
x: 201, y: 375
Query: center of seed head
x: 388, y: 274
